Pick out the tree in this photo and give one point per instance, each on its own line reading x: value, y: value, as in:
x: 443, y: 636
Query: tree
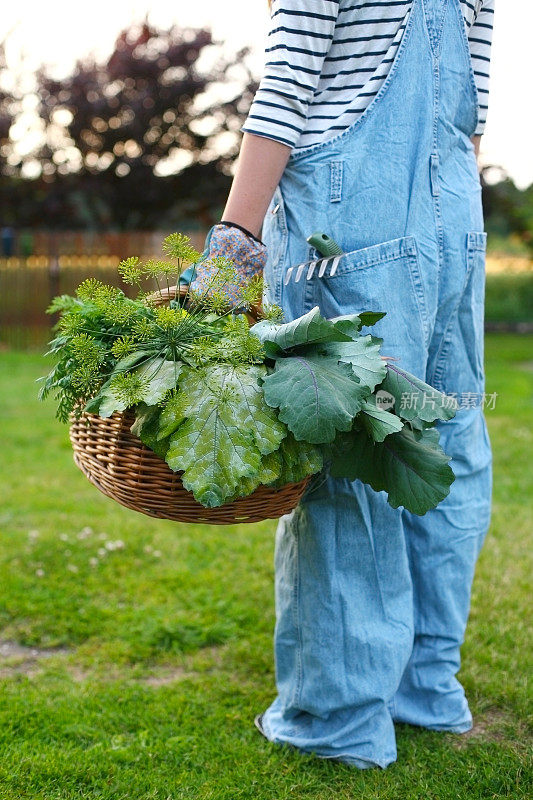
x: 136, y: 141
x: 6, y: 111
x: 508, y: 210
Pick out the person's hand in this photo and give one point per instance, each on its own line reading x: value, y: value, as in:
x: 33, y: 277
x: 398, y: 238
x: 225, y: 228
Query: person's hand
x: 226, y: 240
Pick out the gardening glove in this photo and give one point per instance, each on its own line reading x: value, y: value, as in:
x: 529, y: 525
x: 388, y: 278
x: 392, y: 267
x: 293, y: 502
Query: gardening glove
x: 231, y: 241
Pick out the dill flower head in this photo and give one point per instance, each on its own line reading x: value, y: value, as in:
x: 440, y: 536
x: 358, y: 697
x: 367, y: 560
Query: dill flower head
x: 251, y: 292
x: 179, y: 246
x: 129, y: 387
x: 123, y: 346
x: 130, y: 270
x: 169, y: 318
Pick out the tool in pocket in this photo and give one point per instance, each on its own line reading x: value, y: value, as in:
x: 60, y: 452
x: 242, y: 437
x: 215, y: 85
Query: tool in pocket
x: 331, y: 255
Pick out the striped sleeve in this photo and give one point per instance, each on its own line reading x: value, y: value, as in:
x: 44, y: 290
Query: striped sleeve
x: 480, y: 39
x: 298, y: 42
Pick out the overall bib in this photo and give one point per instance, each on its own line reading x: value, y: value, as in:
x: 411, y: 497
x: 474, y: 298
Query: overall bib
x: 372, y: 602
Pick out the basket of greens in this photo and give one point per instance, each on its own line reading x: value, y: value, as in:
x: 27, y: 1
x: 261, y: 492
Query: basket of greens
x: 180, y: 410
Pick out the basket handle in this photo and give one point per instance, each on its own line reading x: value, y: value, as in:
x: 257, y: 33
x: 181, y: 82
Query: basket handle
x: 164, y: 296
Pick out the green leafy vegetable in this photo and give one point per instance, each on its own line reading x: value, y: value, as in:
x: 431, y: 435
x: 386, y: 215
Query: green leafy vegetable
x: 409, y: 465
x: 299, y: 459
x: 316, y: 396
x: 377, y: 422
x: 363, y: 355
x: 268, y: 473
x: 267, y: 429
x: 415, y: 399
x: 217, y: 445
x: 308, y: 329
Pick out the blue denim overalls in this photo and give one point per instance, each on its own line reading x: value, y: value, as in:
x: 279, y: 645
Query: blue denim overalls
x: 372, y: 602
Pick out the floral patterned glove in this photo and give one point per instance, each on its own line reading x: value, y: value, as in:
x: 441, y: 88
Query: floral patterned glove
x: 237, y: 244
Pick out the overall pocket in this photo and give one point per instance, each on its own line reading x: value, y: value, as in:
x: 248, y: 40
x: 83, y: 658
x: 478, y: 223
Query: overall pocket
x: 383, y: 277
x: 471, y: 314
x: 459, y: 367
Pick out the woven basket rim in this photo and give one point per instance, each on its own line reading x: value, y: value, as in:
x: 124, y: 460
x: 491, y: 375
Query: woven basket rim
x: 123, y: 468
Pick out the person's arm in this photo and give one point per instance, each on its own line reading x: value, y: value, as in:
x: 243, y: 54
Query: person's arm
x: 259, y: 169
x: 298, y: 42
x: 480, y: 42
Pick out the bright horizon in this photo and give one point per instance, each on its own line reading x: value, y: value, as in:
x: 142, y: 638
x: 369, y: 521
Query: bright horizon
x: 57, y: 33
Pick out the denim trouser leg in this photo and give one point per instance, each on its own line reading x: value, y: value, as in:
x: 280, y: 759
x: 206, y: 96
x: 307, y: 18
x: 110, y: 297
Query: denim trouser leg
x: 344, y: 628
x: 443, y: 547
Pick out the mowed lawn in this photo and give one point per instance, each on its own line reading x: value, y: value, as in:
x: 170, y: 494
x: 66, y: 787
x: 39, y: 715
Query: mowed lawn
x: 136, y: 652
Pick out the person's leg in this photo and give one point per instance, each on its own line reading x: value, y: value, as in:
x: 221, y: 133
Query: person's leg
x: 444, y: 544
x: 344, y: 624
x: 443, y: 547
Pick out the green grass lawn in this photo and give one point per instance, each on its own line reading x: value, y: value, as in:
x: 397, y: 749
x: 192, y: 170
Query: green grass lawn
x: 158, y: 635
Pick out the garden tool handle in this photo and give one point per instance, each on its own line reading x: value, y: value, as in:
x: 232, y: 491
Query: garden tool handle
x: 325, y: 245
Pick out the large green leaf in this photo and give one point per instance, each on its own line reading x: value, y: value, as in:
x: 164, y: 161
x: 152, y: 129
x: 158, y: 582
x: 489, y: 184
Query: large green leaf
x: 216, y: 446
x: 146, y: 427
x: 307, y: 329
x: 409, y: 465
x: 268, y: 472
x: 267, y: 429
x: 158, y: 375
x: 415, y: 399
x: 363, y: 355
x: 299, y: 459
x: 244, y: 382
x: 378, y: 422
x: 316, y: 396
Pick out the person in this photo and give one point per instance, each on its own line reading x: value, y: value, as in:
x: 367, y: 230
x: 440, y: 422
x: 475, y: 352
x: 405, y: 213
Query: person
x: 366, y: 126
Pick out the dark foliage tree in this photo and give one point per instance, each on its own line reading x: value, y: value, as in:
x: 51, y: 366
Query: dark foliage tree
x: 6, y: 113
x: 114, y: 128
x: 508, y: 210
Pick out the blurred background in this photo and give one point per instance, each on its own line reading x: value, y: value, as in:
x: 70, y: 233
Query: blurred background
x: 120, y: 123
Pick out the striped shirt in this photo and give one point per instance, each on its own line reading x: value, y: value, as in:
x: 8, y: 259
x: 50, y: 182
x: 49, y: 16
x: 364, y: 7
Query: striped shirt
x: 326, y: 60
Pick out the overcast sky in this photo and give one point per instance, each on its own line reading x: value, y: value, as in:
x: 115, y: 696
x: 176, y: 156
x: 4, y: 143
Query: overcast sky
x: 58, y: 31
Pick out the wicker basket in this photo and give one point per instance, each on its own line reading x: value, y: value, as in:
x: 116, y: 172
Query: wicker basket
x: 120, y: 465
x: 123, y: 468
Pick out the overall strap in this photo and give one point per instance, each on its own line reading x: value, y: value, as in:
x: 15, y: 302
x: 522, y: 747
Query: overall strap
x: 435, y: 13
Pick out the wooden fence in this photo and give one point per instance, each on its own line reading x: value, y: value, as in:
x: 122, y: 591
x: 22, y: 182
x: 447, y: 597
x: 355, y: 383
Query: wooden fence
x: 27, y: 243
x: 28, y: 283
